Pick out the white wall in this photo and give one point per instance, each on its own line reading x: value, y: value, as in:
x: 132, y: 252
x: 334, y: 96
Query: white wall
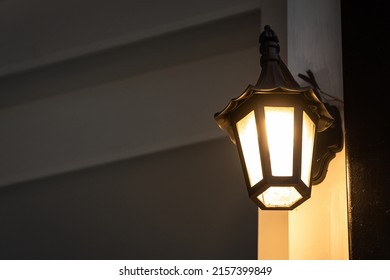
x: 317, y: 229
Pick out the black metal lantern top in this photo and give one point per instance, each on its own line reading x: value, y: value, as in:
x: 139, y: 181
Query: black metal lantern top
x: 274, y: 77
x: 274, y: 72
x: 274, y: 180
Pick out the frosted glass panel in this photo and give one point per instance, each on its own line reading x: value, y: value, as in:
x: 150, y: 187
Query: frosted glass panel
x: 279, y: 196
x: 279, y: 123
x: 247, y: 133
x: 308, y: 132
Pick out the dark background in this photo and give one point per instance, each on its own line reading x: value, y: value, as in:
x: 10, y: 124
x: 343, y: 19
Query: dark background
x: 366, y: 61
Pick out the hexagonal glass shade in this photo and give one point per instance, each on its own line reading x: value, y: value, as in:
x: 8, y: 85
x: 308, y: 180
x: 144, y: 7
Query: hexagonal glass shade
x: 279, y: 197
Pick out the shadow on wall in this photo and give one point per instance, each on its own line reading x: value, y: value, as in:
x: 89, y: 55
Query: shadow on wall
x: 130, y: 60
x: 185, y: 203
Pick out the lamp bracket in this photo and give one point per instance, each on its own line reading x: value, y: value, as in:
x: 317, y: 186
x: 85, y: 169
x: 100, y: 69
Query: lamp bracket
x: 328, y: 143
x: 312, y: 81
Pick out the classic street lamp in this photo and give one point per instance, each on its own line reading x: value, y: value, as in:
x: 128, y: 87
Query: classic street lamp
x: 285, y: 135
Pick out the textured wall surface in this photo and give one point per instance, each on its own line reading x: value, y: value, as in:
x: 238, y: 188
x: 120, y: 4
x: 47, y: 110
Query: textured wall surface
x: 186, y: 203
x: 113, y: 152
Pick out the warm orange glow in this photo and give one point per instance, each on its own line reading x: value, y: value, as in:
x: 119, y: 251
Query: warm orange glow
x: 247, y: 133
x: 280, y: 135
x: 308, y: 132
x: 279, y: 196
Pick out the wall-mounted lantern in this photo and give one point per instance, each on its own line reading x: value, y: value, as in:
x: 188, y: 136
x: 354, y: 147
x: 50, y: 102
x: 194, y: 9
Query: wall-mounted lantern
x: 285, y: 135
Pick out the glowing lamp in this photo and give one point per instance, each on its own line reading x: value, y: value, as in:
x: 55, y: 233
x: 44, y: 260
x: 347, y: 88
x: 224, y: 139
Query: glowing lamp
x: 285, y: 135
